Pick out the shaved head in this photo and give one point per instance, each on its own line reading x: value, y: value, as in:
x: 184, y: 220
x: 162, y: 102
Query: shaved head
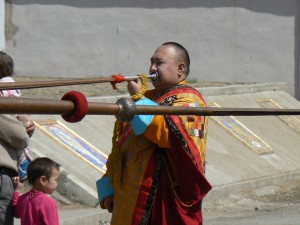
x: 182, y: 54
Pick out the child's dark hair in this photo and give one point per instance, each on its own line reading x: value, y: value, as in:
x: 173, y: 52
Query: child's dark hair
x: 40, y: 167
x: 6, y: 65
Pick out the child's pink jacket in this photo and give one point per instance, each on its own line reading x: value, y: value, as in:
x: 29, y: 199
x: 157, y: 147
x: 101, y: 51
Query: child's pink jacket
x: 35, y: 208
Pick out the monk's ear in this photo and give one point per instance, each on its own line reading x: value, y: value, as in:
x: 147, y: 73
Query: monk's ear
x: 181, y: 69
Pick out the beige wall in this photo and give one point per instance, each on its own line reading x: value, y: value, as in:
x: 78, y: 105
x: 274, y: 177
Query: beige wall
x: 250, y: 40
x: 2, y: 37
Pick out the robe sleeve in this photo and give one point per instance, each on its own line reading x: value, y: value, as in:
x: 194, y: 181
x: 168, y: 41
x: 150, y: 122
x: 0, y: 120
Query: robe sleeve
x: 153, y: 127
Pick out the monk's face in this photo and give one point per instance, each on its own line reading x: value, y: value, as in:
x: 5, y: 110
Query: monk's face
x: 165, y: 62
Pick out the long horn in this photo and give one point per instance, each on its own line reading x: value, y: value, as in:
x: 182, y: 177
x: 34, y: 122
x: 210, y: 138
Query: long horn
x: 54, y: 83
x: 65, y: 107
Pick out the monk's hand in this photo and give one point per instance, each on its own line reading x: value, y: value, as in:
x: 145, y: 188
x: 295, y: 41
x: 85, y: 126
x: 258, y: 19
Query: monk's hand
x: 134, y: 86
x: 108, y: 204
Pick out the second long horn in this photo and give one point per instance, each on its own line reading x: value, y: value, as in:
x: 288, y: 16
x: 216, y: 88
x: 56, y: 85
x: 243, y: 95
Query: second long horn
x: 67, y: 82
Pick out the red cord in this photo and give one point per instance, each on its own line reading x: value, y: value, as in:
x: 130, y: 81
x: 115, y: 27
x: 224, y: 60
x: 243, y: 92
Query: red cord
x: 117, y: 79
x: 80, y: 106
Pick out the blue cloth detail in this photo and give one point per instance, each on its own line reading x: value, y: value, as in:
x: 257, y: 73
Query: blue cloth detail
x: 22, y: 168
x: 104, y: 188
x: 140, y: 122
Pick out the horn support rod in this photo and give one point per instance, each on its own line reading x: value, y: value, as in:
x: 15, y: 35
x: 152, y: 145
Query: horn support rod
x: 64, y: 107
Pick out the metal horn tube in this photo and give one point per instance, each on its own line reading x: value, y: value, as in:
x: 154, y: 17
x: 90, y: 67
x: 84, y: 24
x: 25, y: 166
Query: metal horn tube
x: 153, y: 77
x: 66, y: 82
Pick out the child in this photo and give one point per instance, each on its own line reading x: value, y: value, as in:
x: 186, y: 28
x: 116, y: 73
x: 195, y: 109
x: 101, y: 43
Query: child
x: 35, y: 206
x: 6, y: 71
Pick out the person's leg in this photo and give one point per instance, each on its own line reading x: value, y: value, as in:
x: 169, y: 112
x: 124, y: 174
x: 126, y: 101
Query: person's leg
x: 22, y: 168
x: 6, y: 193
x: 27, y: 154
x: 23, y: 162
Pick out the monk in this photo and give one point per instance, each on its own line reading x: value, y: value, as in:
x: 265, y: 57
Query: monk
x: 156, y: 175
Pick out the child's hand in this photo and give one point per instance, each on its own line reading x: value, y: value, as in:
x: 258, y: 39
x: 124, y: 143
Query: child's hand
x: 17, y: 184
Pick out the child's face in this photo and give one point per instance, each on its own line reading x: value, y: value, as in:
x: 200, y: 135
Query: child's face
x: 51, y: 183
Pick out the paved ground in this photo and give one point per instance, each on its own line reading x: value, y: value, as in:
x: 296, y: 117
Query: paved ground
x: 278, y: 216
x: 257, y: 206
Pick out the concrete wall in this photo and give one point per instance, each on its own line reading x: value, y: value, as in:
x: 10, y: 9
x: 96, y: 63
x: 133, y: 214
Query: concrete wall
x: 2, y: 22
x: 228, y: 40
